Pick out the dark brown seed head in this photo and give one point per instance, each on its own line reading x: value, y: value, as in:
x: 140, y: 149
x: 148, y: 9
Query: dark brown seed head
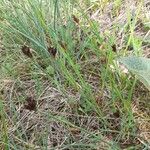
x: 75, y: 19
x: 30, y: 103
x: 114, y: 48
x: 26, y: 50
x: 52, y: 51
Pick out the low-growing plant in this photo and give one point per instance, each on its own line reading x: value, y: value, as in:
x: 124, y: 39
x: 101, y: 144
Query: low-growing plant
x: 140, y: 66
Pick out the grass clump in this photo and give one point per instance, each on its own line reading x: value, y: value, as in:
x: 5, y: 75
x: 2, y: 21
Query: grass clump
x: 61, y: 88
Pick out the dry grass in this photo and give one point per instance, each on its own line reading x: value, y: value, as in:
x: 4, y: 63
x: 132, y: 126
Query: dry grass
x: 58, y: 120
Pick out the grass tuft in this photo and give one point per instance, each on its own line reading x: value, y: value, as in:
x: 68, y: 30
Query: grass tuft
x: 61, y: 87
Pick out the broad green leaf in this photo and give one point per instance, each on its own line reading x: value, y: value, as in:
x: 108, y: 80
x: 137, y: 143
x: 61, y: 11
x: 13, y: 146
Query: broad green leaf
x: 140, y: 66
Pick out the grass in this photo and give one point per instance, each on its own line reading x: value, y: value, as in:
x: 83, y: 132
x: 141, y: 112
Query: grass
x: 60, y: 85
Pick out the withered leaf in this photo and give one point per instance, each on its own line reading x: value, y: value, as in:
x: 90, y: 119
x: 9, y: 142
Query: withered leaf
x: 30, y: 103
x: 75, y: 19
x: 52, y: 51
x: 26, y: 50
